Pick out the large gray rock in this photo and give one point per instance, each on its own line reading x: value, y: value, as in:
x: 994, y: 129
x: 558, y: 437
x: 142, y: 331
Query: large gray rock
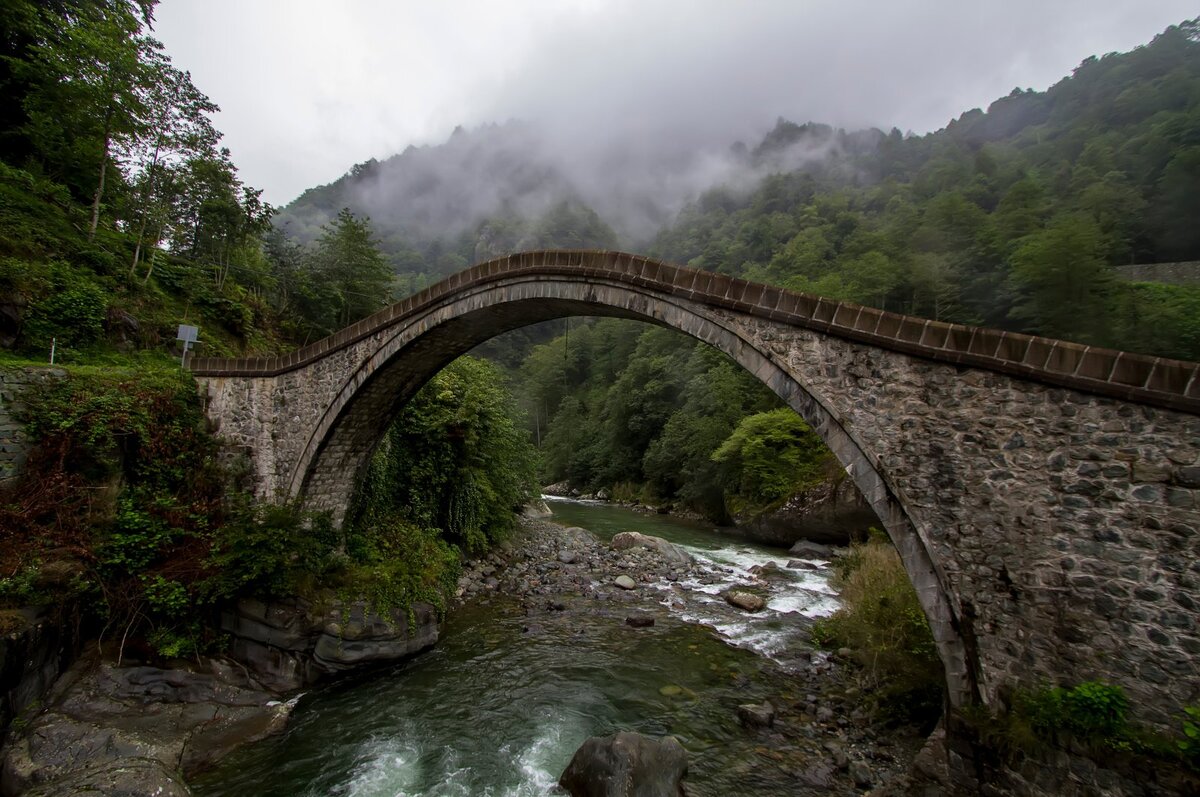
x: 101, y: 715
x: 290, y: 644
x: 536, y: 509
x: 747, y: 601
x: 670, y: 552
x: 127, y: 777
x: 626, y: 765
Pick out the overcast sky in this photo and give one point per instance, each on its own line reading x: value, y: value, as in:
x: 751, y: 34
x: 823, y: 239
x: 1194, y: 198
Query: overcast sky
x: 309, y: 88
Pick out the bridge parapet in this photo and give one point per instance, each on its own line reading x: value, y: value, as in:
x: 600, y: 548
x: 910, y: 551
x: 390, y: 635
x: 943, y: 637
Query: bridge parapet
x: 1156, y: 380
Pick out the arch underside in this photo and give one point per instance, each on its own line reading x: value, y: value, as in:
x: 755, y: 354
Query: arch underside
x: 410, y: 353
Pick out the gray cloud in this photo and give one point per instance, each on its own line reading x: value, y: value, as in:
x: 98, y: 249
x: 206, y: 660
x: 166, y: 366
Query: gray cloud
x: 309, y: 88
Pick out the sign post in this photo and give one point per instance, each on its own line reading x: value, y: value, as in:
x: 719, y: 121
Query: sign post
x: 188, y: 335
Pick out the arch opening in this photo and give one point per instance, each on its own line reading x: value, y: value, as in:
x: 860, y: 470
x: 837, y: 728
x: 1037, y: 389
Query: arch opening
x: 407, y: 355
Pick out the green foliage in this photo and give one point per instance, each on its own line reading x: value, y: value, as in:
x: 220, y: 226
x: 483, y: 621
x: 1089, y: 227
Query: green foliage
x: 346, y: 278
x: 21, y: 588
x: 269, y: 551
x: 882, y: 622
x: 125, y: 481
x: 455, y: 459
x: 397, y: 563
x: 615, y: 402
x: 770, y: 456
x: 1091, y: 710
x: 1189, y: 746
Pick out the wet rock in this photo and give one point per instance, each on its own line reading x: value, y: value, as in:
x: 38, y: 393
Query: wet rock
x: 807, y: 549
x: 860, y: 773
x: 769, y: 571
x: 639, y: 621
x: 829, y: 512
x: 102, y: 715
x: 558, y: 490
x: 800, y: 564
x: 625, y: 582
x: 671, y: 554
x: 626, y: 765
x: 746, y: 601
x: 602, y: 495
x: 819, y: 776
x: 536, y: 510
x: 290, y: 644
x: 755, y: 715
x: 127, y: 777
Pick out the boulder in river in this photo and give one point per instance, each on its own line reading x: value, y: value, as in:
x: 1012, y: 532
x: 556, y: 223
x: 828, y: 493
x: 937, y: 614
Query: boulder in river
x: 807, y: 549
x: 769, y: 570
x: 626, y: 764
x: 536, y: 509
x: 830, y: 512
x: 747, y: 601
x: 625, y: 582
x: 670, y: 552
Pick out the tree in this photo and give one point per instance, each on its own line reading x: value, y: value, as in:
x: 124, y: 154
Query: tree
x: 769, y: 456
x: 456, y: 459
x: 1062, y: 280
x: 347, y: 258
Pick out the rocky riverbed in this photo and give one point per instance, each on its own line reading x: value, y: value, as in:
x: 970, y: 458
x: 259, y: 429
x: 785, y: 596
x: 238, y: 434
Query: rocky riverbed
x: 816, y: 727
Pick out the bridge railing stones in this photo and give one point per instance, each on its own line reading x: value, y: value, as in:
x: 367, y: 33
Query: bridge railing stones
x: 1174, y: 384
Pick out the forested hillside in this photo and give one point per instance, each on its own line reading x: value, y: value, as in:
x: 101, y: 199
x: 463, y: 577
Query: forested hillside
x: 1013, y: 218
x: 120, y: 218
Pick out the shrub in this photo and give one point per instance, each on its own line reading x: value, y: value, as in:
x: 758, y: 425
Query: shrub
x: 1092, y: 711
x: 881, y: 620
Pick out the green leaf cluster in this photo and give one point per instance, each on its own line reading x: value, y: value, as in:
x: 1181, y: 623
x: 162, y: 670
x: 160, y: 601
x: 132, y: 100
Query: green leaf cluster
x: 770, y: 456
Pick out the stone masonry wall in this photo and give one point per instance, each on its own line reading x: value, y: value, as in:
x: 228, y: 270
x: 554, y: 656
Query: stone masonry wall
x: 14, y: 446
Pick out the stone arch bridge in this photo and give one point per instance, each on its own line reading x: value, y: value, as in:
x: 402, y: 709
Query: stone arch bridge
x: 1042, y: 494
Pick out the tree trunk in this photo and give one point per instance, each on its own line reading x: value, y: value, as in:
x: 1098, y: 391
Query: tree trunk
x: 153, y: 255
x: 146, y: 192
x: 103, y: 168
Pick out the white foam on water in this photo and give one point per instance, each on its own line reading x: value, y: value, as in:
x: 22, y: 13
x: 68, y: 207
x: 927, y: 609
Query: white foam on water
x: 790, y: 592
x: 386, y: 766
x: 537, y: 764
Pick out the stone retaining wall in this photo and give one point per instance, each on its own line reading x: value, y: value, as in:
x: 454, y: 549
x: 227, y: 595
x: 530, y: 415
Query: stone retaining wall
x: 14, y: 446
x: 1187, y: 273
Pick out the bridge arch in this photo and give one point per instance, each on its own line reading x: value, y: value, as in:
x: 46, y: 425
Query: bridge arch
x: 1028, y: 484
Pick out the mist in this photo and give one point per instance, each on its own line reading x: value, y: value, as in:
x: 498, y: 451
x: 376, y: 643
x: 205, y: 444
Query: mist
x: 613, y: 90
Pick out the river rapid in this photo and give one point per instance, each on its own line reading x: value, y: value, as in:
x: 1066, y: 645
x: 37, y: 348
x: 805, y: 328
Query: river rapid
x: 528, y: 670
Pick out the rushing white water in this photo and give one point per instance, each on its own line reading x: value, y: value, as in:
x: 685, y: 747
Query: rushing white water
x: 793, y: 595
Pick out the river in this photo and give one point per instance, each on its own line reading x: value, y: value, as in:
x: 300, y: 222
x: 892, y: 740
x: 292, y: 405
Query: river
x: 496, y: 710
